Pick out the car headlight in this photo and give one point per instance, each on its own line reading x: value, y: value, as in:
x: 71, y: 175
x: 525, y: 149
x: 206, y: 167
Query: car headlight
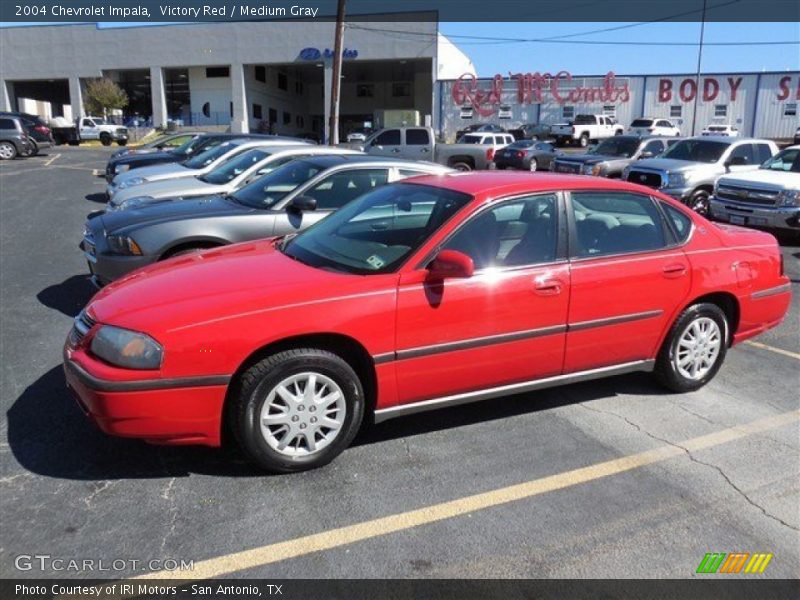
x: 121, y: 168
x: 131, y: 182
x: 677, y: 179
x: 122, y: 244
x: 789, y: 198
x: 134, y: 202
x: 125, y: 348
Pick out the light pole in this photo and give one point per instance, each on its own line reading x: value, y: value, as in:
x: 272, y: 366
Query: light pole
x: 699, y: 61
x: 336, y: 83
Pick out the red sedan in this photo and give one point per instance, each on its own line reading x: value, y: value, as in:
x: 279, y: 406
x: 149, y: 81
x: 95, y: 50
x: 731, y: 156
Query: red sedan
x: 432, y: 292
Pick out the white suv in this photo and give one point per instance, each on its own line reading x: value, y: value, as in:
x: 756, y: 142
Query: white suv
x: 654, y: 126
x: 723, y: 129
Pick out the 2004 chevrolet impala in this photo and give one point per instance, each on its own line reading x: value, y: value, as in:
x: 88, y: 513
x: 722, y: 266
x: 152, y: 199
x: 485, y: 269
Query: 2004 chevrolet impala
x: 432, y: 292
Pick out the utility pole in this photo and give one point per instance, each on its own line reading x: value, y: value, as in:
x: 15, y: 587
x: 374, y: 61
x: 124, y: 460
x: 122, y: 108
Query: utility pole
x: 336, y: 83
x: 699, y: 61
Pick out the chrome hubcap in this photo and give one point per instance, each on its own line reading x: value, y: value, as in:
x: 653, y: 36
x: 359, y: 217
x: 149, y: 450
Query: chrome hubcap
x: 533, y: 165
x: 701, y: 205
x: 303, y: 414
x: 6, y: 151
x: 698, y: 348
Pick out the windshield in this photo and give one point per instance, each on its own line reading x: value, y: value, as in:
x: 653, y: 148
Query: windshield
x: 189, y: 147
x: 717, y: 128
x: 696, y: 151
x: 617, y: 146
x: 377, y: 232
x: 785, y: 160
x: 208, y: 156
x: 267, y: 191
x: 521, y: 144
x: 234, y: 167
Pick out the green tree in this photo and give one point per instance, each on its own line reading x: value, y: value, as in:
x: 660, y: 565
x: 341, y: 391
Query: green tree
x: 103, y: 95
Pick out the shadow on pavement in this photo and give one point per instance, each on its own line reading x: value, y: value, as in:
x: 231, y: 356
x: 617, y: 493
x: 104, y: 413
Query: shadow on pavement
x: 100, y: 198
x: 69, y: 296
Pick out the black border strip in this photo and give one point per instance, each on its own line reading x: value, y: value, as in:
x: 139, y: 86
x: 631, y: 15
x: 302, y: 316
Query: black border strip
x: 104, y: 385
x: 773, y: 291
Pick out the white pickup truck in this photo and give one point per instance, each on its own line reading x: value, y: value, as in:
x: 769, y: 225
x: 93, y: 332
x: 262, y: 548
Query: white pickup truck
x: 585, y: 129
x: 97, y: 128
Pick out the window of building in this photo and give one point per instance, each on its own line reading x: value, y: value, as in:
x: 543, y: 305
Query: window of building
x: 287, y: 118
x: 616, y: 223
x: 231, y: 108
x: 401, y: 89
x: 261, y: 74
x: 300, y: 121
x: 676, y: 111
x: 365, y: 90
x: 257, y: 112
x: 466, y: 112
x: 790, y: 109
x: 212, y: 72
x: 273, y: 115
x: 568, y: 112
x: 610, y: 110
x: 283, y: 81
x: 720, y: 110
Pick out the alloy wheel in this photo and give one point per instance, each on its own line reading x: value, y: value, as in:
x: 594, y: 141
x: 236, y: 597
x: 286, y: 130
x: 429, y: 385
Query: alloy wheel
x: 6, y: 151
x: 701, y: 204
x: 533, y: 165
x: 303, y: 414
x: 698, y: 348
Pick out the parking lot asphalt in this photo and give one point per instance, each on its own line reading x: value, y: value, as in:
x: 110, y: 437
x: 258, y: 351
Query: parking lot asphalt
x: 613, y: 478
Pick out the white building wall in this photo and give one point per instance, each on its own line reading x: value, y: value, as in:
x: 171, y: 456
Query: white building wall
x: 773, y: 117
x: 216, y: 91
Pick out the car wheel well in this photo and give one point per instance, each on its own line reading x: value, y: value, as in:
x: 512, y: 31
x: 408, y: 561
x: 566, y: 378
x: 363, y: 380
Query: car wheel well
x: 703, y: 188
x: 459, y: 159
x: 345, y: 347
x: 728, y: 304
x: 204, y: 244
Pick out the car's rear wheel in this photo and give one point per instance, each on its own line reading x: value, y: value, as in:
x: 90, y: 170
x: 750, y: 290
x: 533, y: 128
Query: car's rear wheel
x: 694, y: 349
x: 461, y: 166
x: 105, y: 139
x: 122, y: 142
x: 7, y: 151
x: 297, y: 409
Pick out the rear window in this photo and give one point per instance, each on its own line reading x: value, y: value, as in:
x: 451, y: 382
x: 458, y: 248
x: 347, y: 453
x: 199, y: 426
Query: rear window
x: 585, y: 120
x: 7, y: 124
x: 642, y: 123
x: 681, y: 224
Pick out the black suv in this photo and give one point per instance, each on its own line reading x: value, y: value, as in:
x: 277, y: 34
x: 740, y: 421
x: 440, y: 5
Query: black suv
x: 39, y: 133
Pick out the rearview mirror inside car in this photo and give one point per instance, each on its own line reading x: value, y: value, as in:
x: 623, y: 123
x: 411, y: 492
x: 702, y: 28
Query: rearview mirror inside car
x: 450, y: 264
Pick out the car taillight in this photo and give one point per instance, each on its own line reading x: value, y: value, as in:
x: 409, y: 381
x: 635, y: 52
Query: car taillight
x: 42, y: 129
x: 520, y: 153
x: 490, y: 154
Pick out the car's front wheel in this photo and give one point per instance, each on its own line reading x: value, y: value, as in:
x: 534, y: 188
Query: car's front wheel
x: 297, y: 409
x: 105, y: 139
x: 700, y: 202
x: 694, y: 349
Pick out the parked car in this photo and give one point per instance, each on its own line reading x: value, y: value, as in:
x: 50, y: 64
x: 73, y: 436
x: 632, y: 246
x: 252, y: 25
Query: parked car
x: 310, y: 137
x: 480, y: 128
x: 97, y: 128
x: 654, y: 126
x: 170, y: 141
x: 226, y: 178
x: 288, y: 199
x: 797, y: 136
x: 358, y: 135
x: 14, y: 138
x: 585, y: 129
x: 528, y: 155
x: 719, y: 129
x: 612, y: 155
x: 419, y: 295
x: 766, y: 197
x: 687, y: 171
x: 39, y: 134
x: 531, y: 131
x: 199, y: 164
x: 473, y: 151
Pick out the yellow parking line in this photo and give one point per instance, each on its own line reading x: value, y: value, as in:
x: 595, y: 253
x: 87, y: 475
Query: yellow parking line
x: 334, y: 538
x: 50, y: 162
x: 774, y: 349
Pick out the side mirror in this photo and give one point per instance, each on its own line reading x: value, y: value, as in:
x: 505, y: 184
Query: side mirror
x: 450, y: 264
x: 646, y: 154
x: 303, y: 203
x: 736, y: 161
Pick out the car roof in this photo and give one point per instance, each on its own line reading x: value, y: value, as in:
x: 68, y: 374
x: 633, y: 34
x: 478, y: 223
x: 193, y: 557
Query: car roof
x: 502, y: 183
x: 727, y: 138
x: 328, y: 161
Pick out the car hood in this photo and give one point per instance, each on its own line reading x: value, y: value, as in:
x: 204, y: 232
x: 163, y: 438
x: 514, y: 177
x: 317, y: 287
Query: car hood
x: 589, y: 159
x: 672, y: 165
x: 134, y: 157
x: 765, y: 177
x: 166, y: 188
x: 154, y: 172
x: 190, y: 291
x: 171, y: 209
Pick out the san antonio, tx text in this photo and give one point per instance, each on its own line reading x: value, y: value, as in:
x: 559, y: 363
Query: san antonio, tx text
x: 112, y: 589
x: 167, y: 10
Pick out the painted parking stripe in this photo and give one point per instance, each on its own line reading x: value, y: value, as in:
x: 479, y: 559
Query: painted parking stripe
x: 773, y: 349
x: 50, y: 161
x: 342, y: 536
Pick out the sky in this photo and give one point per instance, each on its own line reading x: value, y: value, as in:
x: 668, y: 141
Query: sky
x: 492, y: 57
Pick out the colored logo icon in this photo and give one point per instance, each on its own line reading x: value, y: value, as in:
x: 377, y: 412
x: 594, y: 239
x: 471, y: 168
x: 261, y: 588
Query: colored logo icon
x: 735, y: 562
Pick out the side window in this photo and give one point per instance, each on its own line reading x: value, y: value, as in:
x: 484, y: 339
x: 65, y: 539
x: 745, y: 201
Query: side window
x: 516, y: 233
x: 338, y: 189
x: 763, y: 153
x: 681, y: 224
x: 403, y: 173
x: 7, y: 124
x: 417, y: 137
x: 500, y: 140
x: 743, y: 152
x: 390, y: 137
x: 545, y: 147
x: 615, y: 223
x: 663, y: 123
x: 88, y: 123
x: 655, y: 147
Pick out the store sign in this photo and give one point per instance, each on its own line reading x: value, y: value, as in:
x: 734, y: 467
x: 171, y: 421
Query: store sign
x: 687, y: 90
x: 317, y: 54
x: 534, y: 88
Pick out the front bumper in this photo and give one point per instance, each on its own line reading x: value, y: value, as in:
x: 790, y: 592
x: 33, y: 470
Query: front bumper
x: 106, y: 268
x: 181, y: 411
x: 773, y: 217
x: 680, y: 193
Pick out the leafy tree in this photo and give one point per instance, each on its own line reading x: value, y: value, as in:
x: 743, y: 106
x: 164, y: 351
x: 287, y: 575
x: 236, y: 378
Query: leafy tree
x: 103, y: 95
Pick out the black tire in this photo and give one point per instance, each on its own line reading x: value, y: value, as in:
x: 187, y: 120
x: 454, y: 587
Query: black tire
x: 583, y: 141
x: 666, y: 369
x: 700, y: 202
x: 250, y: 391
x: 461, y: 166
x: 105, y: 139
x: 8, y: 151
x: 122, y: 142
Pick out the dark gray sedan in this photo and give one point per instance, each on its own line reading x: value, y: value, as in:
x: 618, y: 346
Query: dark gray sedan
x: 529, y: 155
x: 612, y: 155
x: 287, y: 200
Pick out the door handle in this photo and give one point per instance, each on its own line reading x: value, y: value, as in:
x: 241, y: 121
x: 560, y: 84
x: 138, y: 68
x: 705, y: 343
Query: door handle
x: 675, y: 270
x: 547, y: 287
